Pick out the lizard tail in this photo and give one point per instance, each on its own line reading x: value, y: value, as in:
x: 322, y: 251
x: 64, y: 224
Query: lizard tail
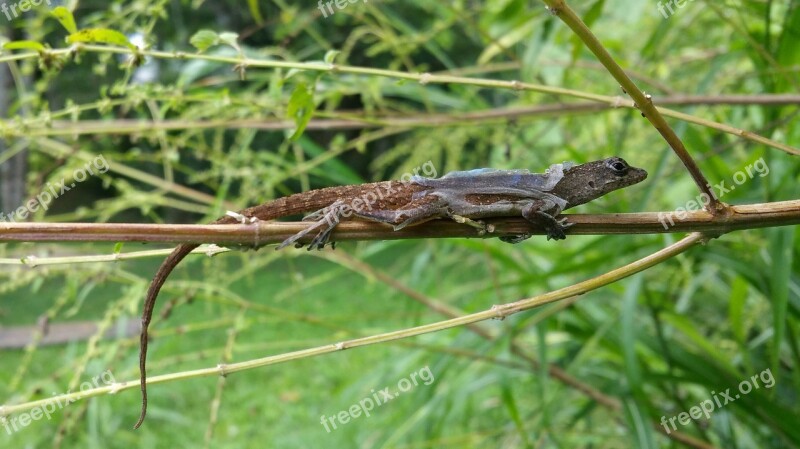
x: 152, y: 293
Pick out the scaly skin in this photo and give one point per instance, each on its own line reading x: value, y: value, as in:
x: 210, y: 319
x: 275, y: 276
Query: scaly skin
x: 467, y: 195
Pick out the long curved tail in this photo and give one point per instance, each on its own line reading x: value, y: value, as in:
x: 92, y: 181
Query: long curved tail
x: 166, y: 268
x: 289, y: 205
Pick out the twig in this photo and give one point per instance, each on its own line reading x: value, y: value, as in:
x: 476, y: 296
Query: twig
x: 553, y: 370
x: 643, y: 102
x: 500, y: 311
x: 783, y: 213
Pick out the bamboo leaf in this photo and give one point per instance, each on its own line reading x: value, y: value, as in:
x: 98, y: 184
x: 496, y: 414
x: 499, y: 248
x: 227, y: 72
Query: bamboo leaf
x: 65, y: 18
x: 102, y: 36
x: 24, y: 45
x: 301, y: 109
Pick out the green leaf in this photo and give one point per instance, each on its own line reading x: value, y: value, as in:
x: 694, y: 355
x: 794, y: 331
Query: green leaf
x: 781, y: 244
x: 513, y: 412
x: 330, y: 56
x: 736, y: 308
x: 641, y: 432
x: 507, y: 40
x: 24, y: 45
x: 204, y: 39
x: 255, y: 11
x: 301, y: 109
x: 64, y: 16
x: 230, y: 38
x: 101, y: 35
x: 629, y: 330
x: 118, y: 247
x: 333, y: 170
x: 589, y: 18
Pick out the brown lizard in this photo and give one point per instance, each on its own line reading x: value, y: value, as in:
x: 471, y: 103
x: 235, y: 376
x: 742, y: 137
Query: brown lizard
x: 462, y: 196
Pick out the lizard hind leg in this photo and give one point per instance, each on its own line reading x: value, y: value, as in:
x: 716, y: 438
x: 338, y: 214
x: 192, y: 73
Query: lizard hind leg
x: 415, y: 212
x: 325, y: 221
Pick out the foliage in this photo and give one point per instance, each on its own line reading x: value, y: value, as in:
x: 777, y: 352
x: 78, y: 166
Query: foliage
x: 210, y: 100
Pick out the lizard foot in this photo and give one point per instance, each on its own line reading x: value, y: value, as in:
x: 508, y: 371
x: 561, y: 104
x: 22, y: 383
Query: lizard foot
x: 514, y: 239
x: 325, y: 221
x: 555, y: 229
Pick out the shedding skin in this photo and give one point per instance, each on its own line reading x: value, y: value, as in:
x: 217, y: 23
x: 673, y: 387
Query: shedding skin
x: 474, y: 194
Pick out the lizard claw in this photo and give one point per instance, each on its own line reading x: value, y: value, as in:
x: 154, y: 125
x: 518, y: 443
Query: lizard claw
x: 514, y: 239
x: 325, y: 221
x: 556, y: 230
x: 320, y: 240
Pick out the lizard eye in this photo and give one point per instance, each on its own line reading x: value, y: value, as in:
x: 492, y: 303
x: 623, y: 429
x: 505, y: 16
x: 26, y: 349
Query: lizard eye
x: 618, y: 166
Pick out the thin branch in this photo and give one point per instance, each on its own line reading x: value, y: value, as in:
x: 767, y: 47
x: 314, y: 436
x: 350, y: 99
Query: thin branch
x: 41, y: 127
x: 751, y: 216
x: 496, y: 312
x: 642, y: 101
x: 553, y: 370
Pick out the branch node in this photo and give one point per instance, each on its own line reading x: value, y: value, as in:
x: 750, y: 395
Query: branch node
x: 501, y: 311
x: 221, y: 368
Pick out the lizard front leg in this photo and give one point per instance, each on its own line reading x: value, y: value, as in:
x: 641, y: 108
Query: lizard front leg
x: 535, y: 213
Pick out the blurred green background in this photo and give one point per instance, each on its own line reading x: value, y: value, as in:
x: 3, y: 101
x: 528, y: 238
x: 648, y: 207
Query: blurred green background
x: 623, y: 358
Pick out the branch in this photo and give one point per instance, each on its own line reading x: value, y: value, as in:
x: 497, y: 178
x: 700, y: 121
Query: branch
x: 752, y: 216
x: 495, y: 312
x: 9, y: 128
x: 517, y: 348
x: 41, y: 128
x: 642, y: 101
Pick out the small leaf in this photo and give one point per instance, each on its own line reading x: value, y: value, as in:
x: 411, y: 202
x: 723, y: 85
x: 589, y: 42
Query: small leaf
x: 301, y: 108
x: 24, y: 45
x: 64, y: 16
x: 255, y: 11
x: 204, y: 39
x: 118, y: 247
x: 101, y: 35
x: 331, y: 55
x: 230, y: 39
x: 292, y: 72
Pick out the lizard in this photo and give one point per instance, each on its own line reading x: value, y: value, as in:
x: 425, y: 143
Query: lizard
x: 462, y: 195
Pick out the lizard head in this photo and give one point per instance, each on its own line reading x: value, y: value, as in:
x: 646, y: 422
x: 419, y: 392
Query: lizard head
x: 585, y: 182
